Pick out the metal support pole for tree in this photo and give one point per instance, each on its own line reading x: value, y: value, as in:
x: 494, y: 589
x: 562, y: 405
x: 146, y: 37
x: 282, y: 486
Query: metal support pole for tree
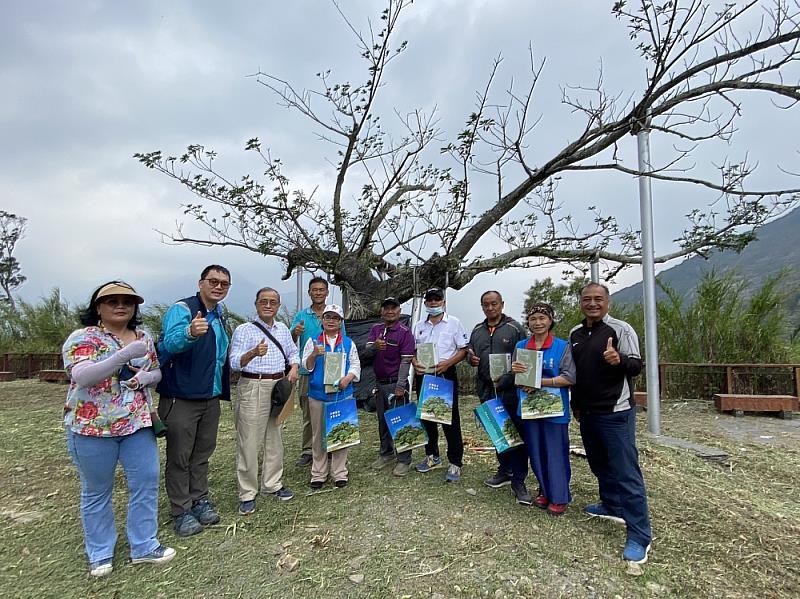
x: 649, y: 283
x: 298, y: 271
x: 595, y: 270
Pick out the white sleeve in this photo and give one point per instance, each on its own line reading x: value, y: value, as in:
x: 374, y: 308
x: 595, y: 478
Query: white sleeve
x: 355, y: 363
x: 307, y: 350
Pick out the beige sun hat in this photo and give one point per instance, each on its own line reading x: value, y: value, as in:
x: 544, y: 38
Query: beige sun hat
x: 119, y: 288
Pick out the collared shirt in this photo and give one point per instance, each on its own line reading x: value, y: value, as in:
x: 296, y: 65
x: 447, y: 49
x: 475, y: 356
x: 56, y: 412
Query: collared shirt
x: 177, y: 339
x: 313, y: 329
x: 247, y: 336
x: 448, y: 334
x: 330, y: 345
x: 399, y: 342
x: 105, y: 409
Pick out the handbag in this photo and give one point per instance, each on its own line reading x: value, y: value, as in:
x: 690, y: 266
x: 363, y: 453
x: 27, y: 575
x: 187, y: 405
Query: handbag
x: 282, y: 389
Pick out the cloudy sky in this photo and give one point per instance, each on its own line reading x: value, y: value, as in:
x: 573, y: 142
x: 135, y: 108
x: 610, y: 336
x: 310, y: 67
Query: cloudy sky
x: 87, y: 84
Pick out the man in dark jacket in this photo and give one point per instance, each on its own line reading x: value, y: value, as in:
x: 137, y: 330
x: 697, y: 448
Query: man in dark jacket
x: 195, y: 376
x: 606, y: 355
x: 498, y: 334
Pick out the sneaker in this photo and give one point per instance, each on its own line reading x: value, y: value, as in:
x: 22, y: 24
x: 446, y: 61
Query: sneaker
x: 541, y: 501
x: 304, y: 460
x: 382, y: 462
x: 401, y: 469
x: 340, y: 484
x: 501, y: 479
x: 634, y: 552
x: 101, y: 568
x: 599, y: 510
x: 316, y: 485
x: 453, y: 474
x: 247, y: 507
x: 159, y: 555
x: 205, y: 513
x: 282, y: 494
x: 431, y: 462
x: 520, y: 491
x: 557, y: 509
x: 187, y: 525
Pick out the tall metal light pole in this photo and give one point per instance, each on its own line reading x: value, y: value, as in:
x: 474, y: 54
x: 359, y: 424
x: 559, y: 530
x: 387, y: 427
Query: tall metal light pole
x: 649, y: 282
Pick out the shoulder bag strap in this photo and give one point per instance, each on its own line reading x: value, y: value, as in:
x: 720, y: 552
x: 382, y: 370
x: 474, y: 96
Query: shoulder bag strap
x: 276, y: 342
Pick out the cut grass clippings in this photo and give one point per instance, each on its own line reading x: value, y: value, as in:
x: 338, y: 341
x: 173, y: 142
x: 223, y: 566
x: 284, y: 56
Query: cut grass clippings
x: 721, y: 531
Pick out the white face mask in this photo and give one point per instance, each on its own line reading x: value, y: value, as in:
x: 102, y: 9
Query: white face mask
x: 434, y: 311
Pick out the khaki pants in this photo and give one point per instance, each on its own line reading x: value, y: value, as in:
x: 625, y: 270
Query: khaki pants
x: 254, y: 430
x: 319, y: 464
x: 302, y: 399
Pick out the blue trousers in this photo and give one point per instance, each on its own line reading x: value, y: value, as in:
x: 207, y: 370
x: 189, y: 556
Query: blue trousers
x: 96, y: 459
x: 610, y: 443
x: 548, y: 450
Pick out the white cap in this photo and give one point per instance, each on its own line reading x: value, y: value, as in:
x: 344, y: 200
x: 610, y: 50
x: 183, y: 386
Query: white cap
x: 335, y: 309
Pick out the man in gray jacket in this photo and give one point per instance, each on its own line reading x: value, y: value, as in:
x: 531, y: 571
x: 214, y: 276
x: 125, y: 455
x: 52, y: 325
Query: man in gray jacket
x: 499, y: 334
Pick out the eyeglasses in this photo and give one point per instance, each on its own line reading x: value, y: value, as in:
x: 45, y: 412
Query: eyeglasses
x: 331, y: 317
x: 217, y: 283
x: 268, y: 303
x: 114, y: 302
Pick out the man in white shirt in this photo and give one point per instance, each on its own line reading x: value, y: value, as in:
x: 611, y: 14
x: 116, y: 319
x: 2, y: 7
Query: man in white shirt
x: 447, y: 332
x: 261, y: 364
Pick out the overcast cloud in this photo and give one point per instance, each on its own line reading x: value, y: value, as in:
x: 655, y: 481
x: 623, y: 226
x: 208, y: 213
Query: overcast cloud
x: 87, y: 84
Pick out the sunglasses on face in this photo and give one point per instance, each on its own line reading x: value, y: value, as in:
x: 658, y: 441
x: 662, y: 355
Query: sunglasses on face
x: 114, y: 302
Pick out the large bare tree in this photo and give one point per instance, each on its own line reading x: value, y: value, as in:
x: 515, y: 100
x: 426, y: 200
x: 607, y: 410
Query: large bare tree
x: 399, y: 219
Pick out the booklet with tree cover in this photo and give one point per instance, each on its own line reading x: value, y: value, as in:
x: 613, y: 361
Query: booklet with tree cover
x: 427, y: 356
x: 435, y: 400
x: 334, y: 371
x: 341, y: 424
x: 495, y: 420
x: 541, y: 403
x: 533, y: 360
x: 406, y: 429
x: 499, y: 364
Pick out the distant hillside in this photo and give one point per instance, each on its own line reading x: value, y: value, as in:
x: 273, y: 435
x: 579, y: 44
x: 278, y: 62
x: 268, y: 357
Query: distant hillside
x: 777, y: 246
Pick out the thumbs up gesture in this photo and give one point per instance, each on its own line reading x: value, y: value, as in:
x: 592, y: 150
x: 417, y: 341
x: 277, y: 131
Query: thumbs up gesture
x: 198, y: 326
x: 299, y: 328
x: 611, y: 356
x: 261, y: 348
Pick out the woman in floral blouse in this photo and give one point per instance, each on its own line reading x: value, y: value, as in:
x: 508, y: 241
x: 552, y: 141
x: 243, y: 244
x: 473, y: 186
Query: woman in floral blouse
x: 112, y: 367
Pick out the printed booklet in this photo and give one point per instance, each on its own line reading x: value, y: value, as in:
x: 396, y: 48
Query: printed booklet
x: 499, y: 364
x: 341, y: 424
x: 533, y: 360
x: 542, y: 403
x: 497, y: 423
x: 334, y: 371
x: 406, y: 429
x: 426, y: 356
x: 435, y: 399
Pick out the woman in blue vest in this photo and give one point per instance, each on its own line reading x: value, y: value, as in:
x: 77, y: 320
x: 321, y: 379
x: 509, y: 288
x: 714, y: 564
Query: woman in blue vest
x: 331, y: 340
x: 547, y: 439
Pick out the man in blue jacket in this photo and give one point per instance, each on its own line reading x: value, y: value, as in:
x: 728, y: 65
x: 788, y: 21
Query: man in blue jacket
x: 195, y: 376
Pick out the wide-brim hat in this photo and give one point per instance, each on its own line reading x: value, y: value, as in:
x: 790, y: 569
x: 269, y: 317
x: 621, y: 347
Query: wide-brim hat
x: 335, y: 309
x: 118, y: 288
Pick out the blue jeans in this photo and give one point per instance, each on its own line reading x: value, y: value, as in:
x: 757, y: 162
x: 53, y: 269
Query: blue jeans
x: 610, y: 443
x: 96, y: 459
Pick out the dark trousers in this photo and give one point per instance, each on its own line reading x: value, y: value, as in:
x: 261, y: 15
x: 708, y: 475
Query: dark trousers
x: 610, y: 443
x: 452, y: 431
x: 548, y: 450
x: 385, y: 399
x: 191, y: 439
x: 514, y: 461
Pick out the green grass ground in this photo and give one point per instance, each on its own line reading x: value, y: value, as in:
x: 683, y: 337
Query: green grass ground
x: 731, y: 531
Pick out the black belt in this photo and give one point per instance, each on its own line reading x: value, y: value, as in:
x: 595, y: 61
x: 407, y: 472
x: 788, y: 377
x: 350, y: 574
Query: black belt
x: 385, y: 381
x: 271, y: 375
